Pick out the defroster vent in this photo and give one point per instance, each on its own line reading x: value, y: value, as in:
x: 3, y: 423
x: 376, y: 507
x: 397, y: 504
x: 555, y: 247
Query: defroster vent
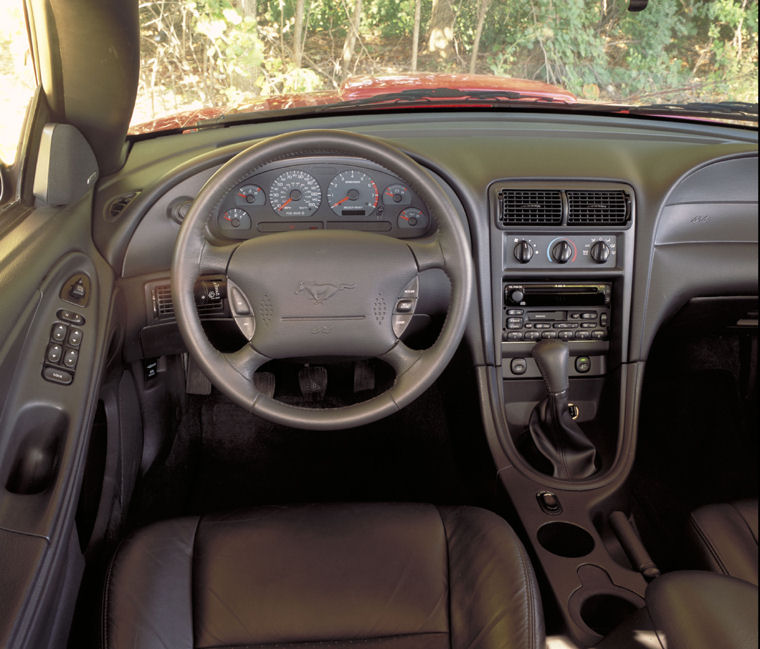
x: 597, y: 207
x: 530, y: 207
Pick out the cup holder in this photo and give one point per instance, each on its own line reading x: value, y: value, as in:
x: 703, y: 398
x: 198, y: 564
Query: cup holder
x: 565, y: 539
x: 603, y: 612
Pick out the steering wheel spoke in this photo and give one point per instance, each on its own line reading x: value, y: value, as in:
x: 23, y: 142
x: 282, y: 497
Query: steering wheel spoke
x: 427, y: 253
x: 215, y: 259
x: 401, y: 357
x: 246, y: 361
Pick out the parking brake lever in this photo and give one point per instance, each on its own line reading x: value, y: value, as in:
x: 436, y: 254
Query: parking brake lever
x: 556, y: 436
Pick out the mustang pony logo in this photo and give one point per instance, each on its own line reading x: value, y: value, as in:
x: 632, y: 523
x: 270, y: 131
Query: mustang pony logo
x: 322, y: 291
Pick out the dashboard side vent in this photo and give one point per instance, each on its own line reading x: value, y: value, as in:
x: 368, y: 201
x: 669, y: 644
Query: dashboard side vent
x: 530, y: 207
x: 163, y: 307
x: 119, y: 204
x: 597, y: 207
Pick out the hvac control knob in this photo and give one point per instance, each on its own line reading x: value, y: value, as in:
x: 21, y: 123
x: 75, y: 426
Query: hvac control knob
x: 600, y: 252
x: 523, y: 252
x: 561, y: 252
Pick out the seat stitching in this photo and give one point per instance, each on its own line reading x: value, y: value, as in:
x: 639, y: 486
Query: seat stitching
x: 529, y: 591
x: 711, y: 548
x: 448, y: 576
x: 743, y: 520
x: 106, y: 595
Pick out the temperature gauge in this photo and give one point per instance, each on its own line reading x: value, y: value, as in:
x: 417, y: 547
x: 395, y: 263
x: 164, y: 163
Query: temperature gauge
x: 397, y: 195
x: 413, y: 219
x: 251, y: 194
x: 234, y: 219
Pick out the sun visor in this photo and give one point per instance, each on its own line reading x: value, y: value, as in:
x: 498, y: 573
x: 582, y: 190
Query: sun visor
x: 66, y: 166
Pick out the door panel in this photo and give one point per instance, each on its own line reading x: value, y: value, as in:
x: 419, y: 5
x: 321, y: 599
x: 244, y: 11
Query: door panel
x: 55, y: 295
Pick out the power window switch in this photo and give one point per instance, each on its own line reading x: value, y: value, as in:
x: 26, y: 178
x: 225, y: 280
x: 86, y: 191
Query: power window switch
x: 75, y: 337
x: 58, y: 333
x: 70, y: 358
x: 54, y: 353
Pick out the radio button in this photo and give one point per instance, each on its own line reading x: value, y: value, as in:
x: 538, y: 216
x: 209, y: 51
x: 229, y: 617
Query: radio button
x: 575, y: 315
x: 566, y: 335
x: 514, y: 323
x: 598, y: 334
x: 589, y: 315
x: 549, y: 334
x: 515, y: 335
x: 532, y: 335
x: 604, y: 319
x: 515, y: 311
x: 588, y: 325
x: 582, y: 335
x: 542, y: 325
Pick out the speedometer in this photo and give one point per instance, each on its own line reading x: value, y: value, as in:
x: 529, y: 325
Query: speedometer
x: 352, y: 193
x: 295, y: 193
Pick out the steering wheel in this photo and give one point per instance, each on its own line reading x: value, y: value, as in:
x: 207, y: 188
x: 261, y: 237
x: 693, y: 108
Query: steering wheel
x: 321, y: 293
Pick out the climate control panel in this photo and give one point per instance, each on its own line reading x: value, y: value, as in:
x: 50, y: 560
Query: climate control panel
x: 560, y: 251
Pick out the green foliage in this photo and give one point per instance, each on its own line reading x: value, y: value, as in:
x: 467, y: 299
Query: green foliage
x: 225, y: 52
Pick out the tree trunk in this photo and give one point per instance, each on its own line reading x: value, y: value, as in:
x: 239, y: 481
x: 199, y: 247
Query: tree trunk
x: 416, y: 33
x: 247, y: 81
x: 483, y: 7
x: 248, y: 7
x: 298, y: 34
x: 353, y: 32
x: 441, y: 29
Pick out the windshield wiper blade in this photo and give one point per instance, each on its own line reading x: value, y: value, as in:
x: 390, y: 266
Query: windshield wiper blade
x: 735, y: 110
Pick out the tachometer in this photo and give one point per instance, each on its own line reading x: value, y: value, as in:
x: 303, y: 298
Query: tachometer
x: 295, y: 193
x: 352, y: 193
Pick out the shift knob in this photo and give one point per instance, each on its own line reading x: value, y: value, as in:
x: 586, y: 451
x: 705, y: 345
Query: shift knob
x: 552, y: 358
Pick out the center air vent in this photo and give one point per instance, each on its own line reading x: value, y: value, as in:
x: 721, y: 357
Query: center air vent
x: 530, y: 207
x: 600, y: 207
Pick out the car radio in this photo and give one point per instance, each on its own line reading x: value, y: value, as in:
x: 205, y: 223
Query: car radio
x: 565, y: 311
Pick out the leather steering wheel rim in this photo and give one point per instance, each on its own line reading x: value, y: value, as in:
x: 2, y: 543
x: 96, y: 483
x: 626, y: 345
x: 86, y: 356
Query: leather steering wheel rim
x: 447, y: 248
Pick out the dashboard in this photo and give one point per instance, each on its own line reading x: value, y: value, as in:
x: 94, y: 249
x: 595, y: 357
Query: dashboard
x: 685, y: 196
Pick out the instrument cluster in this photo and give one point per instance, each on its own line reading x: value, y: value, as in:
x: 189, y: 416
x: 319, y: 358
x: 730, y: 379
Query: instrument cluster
x: 314, y: 194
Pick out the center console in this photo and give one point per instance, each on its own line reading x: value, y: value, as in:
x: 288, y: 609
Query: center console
x: 561, y: 269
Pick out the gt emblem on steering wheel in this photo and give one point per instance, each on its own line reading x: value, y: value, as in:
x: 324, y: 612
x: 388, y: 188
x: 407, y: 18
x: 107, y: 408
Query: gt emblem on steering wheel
x: 322, y: 291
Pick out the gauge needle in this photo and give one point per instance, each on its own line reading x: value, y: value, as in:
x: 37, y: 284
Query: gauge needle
x: 342, y: 200
x: 402, y: 216
x: 243, y: 195
x: 284, y: 204
x: 227, y: 217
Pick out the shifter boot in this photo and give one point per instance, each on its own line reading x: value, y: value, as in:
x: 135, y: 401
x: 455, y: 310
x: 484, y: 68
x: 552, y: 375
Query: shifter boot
x: 557, y: 437
x: 560, y: 440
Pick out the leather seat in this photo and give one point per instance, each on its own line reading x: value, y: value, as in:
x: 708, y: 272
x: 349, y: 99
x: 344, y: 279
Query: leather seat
x: 725, y: 536
x: 376, y: 576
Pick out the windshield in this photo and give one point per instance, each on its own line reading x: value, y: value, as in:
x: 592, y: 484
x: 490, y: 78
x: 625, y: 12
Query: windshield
x: 209, y: 59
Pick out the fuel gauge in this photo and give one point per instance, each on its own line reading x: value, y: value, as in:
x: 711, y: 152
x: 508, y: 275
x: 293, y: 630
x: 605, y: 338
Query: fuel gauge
x: 234, y: 220
x: 251, y: 194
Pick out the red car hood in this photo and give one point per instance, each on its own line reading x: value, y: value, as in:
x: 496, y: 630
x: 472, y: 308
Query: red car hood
x: 365, y: 87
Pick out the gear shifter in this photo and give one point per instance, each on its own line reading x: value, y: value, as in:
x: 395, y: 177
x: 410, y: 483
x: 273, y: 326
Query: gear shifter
x: 557, y: 437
